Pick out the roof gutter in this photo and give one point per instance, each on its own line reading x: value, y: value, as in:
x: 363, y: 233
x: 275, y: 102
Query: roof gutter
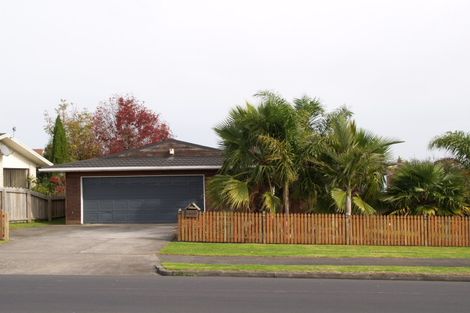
x: 125, y: 169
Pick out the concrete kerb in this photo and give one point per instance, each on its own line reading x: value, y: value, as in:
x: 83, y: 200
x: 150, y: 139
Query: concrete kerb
x: 314, y: 261
x: 161, y: 270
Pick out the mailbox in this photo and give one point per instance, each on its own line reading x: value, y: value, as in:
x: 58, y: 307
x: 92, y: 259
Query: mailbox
x: 192, y: 210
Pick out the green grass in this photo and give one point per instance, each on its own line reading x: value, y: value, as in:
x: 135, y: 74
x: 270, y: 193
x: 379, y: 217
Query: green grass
x: 34, y: 224
x: 330, y: 251
x: 318, y: 268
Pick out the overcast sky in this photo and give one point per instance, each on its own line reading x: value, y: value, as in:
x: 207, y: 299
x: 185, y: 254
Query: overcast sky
x: 402, y: 66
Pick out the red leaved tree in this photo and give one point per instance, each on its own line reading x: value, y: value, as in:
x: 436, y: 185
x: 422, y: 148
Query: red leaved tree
x: 123, y: 122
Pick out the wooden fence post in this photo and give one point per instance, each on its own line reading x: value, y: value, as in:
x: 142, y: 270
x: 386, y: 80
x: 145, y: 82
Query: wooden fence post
x: 179, y: 225
x: 29, y: 210
x: 287, y: 228
x: 49, y: 208
x: 4, y: 226
x: 4, y: 200
x: 348, y: 229
x: 426, y: 232
x: 263, y: 227
x: 225, y: 226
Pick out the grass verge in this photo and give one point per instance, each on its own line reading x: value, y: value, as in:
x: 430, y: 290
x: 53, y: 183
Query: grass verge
x: 34, y: 224
x: 328, y: 251
x: 318, y: 268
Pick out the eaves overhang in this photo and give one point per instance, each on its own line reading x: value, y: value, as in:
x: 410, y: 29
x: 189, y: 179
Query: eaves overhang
x: 126, y: 169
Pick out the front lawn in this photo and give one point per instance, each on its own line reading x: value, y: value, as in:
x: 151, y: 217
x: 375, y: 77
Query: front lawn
x: 57, y: 221
x: 318, y: 268
x: 328, y: 251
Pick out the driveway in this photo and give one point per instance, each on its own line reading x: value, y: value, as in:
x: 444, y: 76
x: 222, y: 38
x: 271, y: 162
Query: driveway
x: 84, y: 250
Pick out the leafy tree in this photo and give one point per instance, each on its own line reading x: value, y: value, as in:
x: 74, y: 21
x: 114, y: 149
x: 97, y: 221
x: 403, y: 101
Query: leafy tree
x: 59, y: 149
x: 49, y: 184
x: 458, y: 143
x: 427, y: 188
x: 78, y: 126
x: 124, y: 122
x: 354, y: 163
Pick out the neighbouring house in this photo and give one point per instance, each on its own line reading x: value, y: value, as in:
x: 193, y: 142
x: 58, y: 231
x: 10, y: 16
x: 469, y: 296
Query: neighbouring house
x: 144, y: 185
x: 39, y: 151
x: 18, y: 163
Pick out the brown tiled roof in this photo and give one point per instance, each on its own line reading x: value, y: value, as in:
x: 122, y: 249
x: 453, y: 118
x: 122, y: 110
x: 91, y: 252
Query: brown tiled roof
x: 144, y: 162
x: 154, y: 155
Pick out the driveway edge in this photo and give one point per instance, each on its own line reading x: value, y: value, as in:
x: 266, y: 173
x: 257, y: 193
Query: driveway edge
x: 316, y: 275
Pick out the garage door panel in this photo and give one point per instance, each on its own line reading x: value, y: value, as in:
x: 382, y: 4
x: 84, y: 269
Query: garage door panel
x: 102, y: 217
x: 93, y: 205
x: 149, y: 199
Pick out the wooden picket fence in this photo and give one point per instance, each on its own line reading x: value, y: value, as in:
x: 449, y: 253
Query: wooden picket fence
x: 328, y: 229
x: 4, y: 226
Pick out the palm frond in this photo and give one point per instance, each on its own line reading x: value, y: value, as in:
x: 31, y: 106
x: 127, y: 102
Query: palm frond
x: 363, y: 206
x: 339, y: 196
x: 271, y: 202
x: 227, y: 192
x: 457, y: 142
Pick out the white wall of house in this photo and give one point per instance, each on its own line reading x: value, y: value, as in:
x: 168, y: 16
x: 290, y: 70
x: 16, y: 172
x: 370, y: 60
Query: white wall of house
x: 16, y: 160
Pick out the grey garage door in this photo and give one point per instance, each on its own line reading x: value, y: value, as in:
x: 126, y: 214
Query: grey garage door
x: 147, y: 199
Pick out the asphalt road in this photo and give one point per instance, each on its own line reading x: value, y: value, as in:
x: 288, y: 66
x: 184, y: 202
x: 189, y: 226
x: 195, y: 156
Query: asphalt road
x: 54, y: 294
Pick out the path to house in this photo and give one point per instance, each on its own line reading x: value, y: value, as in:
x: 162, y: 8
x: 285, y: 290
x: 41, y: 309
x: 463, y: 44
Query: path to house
x: 313, y: 261
x: 84, y: 250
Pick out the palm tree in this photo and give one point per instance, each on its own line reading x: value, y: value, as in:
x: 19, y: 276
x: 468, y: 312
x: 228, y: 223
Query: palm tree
x: 277, y: 149
x: 261, y: 145
x: 311, y: 191
x: 427, y: 188
x: 354, y: 163
x: 281, y: 157
x: 457, y: 142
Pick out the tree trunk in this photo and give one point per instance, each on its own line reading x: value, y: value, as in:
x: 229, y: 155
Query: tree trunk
x: 348, y: 203
x: 286, y: 198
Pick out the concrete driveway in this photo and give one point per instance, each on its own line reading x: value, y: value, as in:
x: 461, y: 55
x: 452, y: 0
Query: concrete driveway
x: 84, y: 250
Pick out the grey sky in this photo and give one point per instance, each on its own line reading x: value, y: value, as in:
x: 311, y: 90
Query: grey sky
x: 402, y: 66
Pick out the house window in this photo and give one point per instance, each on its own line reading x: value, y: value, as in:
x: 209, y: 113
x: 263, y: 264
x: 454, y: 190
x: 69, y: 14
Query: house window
x: 15, y: 177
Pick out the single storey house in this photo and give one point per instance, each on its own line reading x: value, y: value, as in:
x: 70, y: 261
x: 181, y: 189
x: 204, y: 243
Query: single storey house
x: 18, y: 163
x: 144, y: 185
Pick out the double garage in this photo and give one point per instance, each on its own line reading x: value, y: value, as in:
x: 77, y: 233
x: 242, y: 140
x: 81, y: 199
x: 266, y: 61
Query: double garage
x: 139, y: 199
x: 144, y: 185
